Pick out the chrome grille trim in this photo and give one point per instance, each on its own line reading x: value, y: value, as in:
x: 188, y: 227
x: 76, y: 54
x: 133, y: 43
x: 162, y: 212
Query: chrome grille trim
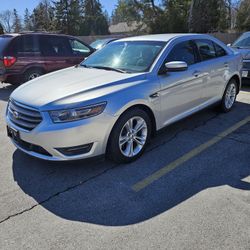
x: 28, y: 118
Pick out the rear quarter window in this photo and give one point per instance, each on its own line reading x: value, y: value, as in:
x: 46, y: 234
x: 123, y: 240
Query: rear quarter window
x: 4, y: 41
x: 23, y: 45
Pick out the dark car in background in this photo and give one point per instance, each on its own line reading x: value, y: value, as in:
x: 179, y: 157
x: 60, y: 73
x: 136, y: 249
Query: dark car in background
x: 242, y: 45
x: 26, y: 56
x: 100, y: 43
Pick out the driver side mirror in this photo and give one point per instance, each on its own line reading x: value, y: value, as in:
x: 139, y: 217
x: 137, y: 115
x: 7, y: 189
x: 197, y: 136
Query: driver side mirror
x: 176, y: 66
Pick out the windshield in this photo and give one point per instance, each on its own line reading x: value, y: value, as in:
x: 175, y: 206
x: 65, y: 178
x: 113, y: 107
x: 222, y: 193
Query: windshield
x: 243, y: 41
x: 127, y: 56
x: 3, y: 43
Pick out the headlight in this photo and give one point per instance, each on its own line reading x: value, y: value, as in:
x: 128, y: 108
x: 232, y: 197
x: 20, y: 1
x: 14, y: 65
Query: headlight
x: 69, y: 115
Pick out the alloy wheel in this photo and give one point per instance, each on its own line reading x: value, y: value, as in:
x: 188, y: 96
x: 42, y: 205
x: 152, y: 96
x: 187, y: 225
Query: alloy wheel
x: 33, y: 76
x: 133, y: 136
x: 230, y: 96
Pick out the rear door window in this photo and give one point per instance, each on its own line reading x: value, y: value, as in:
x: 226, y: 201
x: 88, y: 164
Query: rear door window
x: 206, y: 49
x: 219, y: 50
x: 55, y: 46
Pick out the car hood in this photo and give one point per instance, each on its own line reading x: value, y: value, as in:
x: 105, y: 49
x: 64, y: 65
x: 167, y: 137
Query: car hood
x: 72, y: 86
x: 244, y: 52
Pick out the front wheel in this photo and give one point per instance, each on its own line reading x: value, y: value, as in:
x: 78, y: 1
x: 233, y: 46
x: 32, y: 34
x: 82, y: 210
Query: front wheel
x: 129, y: 136
x: 229, y: 96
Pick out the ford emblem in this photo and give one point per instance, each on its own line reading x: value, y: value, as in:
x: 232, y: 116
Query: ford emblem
x: 16, y: 114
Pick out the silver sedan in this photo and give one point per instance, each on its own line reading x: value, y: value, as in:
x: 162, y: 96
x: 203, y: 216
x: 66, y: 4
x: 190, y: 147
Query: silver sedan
x: 114, y: 101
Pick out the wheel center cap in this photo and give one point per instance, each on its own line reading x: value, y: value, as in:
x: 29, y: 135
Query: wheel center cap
x: 131, y: 136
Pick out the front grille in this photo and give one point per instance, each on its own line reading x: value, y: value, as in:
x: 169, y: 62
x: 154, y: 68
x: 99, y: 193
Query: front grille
x: 246, y: 65
x: 23, y: 116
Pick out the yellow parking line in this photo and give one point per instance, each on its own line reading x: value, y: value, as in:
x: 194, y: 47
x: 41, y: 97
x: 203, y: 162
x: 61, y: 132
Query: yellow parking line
x: 196, y: 151
x: 244, y: 92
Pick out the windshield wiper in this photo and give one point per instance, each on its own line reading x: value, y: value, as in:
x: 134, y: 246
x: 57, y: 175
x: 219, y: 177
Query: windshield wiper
x: 105, y: 68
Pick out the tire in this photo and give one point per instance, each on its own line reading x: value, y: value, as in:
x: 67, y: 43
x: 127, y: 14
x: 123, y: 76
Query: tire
x: 32, y: 74
x: 229, y: 96
x: 122, y: 139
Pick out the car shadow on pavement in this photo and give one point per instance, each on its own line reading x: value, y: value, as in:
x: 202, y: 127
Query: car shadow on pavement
x: 246, y: 84
x: 6, y: 90
x: 100, y: 192
x: 246, y: 88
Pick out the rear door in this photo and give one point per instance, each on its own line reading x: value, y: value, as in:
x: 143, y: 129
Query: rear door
x: 215, y: 61
x: 56, y: 51
x: 79, y: 50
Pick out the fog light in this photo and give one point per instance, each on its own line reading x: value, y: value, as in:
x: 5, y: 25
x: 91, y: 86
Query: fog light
x: 244, y: 73
x: 77, y: 150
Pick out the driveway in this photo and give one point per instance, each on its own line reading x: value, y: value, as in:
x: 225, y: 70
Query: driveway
x: 190, y: 190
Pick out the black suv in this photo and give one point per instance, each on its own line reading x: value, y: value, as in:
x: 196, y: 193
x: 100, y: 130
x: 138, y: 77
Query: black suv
x: 26, y: 56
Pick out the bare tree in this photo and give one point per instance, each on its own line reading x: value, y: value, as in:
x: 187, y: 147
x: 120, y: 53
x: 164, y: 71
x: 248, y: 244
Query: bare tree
x: 6, y: 18
x: 234, y: 13
x: 232, y: 9
x: 17, y: 25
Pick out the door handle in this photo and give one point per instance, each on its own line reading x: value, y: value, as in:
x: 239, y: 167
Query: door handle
x: 197, y: 73
x: 226, y: 64
x: 155, y: 95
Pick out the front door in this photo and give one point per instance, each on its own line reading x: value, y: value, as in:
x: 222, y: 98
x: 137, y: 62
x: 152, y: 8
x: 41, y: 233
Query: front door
x: 181, y: 92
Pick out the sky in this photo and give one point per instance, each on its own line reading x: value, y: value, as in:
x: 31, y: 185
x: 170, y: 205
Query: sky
x: 20, y: 5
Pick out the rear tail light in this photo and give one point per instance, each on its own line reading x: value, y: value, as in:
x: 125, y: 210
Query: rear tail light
x: 8, y: 61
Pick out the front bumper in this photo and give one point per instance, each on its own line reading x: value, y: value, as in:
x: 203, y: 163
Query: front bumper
x: 51, y: 137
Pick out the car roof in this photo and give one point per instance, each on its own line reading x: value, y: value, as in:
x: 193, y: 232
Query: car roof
x: 10, y: 35
x: 35, y: 33
x: 163, y: 37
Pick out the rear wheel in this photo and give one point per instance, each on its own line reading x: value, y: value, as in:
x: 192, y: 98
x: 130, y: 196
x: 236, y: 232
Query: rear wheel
x: 129, y: 136
x: 229, y: 96
x: 32, y: 74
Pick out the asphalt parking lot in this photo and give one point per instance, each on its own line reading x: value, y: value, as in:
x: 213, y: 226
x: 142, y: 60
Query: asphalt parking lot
x: 190, y: 190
